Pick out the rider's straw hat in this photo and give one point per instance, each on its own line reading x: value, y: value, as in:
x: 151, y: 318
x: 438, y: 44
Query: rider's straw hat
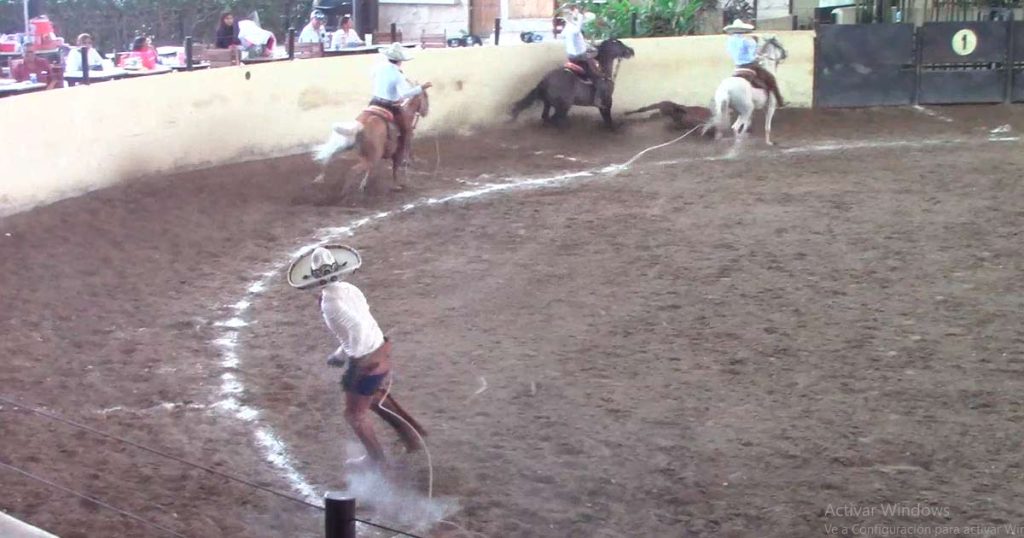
x: 396, y: 53
x: 738, y: 27
x: 323, y: 265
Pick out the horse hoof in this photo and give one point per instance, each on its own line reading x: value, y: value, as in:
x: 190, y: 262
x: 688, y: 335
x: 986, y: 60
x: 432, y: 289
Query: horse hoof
x: 318, y: 179
x: 398, y: 188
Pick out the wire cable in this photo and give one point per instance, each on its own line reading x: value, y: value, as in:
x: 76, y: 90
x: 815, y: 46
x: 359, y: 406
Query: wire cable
x: 160, y: 453
x: 70, y: 491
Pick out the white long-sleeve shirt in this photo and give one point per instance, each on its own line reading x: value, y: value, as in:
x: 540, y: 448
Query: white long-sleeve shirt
x: 344, y: 39
x: 575, y: 45
x: 73, y: 62
x: 347, y: 315
x: 390, y: 84
x: 311, y: 35
x: 249, y: 33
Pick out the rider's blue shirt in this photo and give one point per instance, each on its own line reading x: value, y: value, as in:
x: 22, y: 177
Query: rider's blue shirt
x: 742, y: 49
x: 389, y: 84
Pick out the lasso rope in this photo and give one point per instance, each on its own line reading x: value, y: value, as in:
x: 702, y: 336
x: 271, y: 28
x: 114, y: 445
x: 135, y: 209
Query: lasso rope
x: 430, y: 464
x: 620, y: 167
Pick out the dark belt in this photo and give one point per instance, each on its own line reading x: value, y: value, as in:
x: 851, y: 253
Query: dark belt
x: 384, y: 103
x: 358, y: 362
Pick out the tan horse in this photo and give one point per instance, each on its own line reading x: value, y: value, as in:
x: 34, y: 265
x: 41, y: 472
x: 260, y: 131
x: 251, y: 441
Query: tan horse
x: 376, y: 137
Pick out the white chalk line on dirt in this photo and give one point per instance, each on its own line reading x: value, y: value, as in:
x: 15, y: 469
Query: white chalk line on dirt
x: 232, y: 388
x: 929, y: 112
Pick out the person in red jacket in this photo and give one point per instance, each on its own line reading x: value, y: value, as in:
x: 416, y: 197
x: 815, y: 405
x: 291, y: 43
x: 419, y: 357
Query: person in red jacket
x: 142, y: 48
x: 22, y: 70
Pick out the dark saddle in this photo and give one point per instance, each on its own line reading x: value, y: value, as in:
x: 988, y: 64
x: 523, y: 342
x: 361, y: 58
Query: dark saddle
x: 750, y: 76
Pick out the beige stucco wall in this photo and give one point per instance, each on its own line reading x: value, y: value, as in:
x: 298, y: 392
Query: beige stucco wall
x: 87, y: 137
x: 416, y: 19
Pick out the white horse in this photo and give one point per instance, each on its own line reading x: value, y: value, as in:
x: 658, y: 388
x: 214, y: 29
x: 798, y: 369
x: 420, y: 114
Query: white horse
x: 736, y: 93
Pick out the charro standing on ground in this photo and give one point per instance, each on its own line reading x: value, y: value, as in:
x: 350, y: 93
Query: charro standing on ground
x: 364, y: 352
x: 743, y: 49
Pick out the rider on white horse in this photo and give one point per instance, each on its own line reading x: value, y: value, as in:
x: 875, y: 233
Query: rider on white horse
x: 743, y: 49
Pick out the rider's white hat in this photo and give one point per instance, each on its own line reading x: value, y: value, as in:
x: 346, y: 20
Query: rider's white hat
x: 738, y: 27
x: 323, y: 265
x: 396, y: 53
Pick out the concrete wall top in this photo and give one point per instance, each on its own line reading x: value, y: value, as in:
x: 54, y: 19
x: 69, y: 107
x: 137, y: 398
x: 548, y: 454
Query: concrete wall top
x: 88, y: 137
x: 14, y: 528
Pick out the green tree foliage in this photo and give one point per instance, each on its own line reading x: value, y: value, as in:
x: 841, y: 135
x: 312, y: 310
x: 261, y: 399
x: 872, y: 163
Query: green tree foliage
x: 114, y: 23
x: 655, y: 18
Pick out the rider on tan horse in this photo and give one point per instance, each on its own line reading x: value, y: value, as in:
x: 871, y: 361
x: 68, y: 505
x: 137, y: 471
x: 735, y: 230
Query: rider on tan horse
x: 743, y: 49
x: 390, y: 88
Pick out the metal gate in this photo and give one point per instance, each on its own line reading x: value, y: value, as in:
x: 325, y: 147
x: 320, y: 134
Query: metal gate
x: 864, y: 65
x: 939, y: 63
x: 1017, y: 61
x: 963, y: 62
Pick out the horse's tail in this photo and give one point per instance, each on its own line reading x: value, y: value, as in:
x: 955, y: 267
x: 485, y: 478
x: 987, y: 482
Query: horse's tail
x: 343, y: 138
x: 526, y: 102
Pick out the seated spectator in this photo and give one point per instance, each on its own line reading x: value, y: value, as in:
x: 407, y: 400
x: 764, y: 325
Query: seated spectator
x: 346, y: 37
x: 227, y: 32
x: 255, y: 40
x: 314, y: 31
x: 143, y: 53
x: 21, y: 70
x: 74, y: 60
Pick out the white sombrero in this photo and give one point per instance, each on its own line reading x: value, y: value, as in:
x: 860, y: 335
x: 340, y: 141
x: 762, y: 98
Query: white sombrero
x: 323, y: 265
x: 738, y: 27
x: 396, y: 53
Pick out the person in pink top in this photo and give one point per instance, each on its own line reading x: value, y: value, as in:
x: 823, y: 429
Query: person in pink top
x: 364, y: 352
x: 142, y: 48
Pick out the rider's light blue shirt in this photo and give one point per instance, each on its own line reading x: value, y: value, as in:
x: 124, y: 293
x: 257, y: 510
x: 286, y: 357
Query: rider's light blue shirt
x: 742, y: 49
x: 390, y: 84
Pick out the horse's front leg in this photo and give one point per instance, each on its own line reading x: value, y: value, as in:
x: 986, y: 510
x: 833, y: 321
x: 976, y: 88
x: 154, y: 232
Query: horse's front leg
x: 364, y: 181
x: 396, y: 180
x: 768, y: 114
x: 545, y: 116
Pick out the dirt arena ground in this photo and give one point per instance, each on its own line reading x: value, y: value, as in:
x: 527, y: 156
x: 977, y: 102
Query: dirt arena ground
x: 695, y: 346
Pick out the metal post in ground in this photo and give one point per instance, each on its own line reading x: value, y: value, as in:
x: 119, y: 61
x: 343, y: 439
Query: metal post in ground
x: 291, y: 43
x: 632, y: 23
x: 497, y: 30
x: 339, y: 515
x: 394, y: 33
x: 189, y: 62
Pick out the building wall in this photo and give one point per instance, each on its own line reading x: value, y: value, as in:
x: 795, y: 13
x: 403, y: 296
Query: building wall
x: 415, y: 19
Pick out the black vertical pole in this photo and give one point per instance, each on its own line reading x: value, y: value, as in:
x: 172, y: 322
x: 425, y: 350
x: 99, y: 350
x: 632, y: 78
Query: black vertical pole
x: 189, y: 62
x: 497, y: 30
x: 291, y: 43
x: 632, y: 24
x: 918, y: 69
x: 339, y: 515
x: 394, y: 33
x: 1010, y: 58
x: 84, y: 51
